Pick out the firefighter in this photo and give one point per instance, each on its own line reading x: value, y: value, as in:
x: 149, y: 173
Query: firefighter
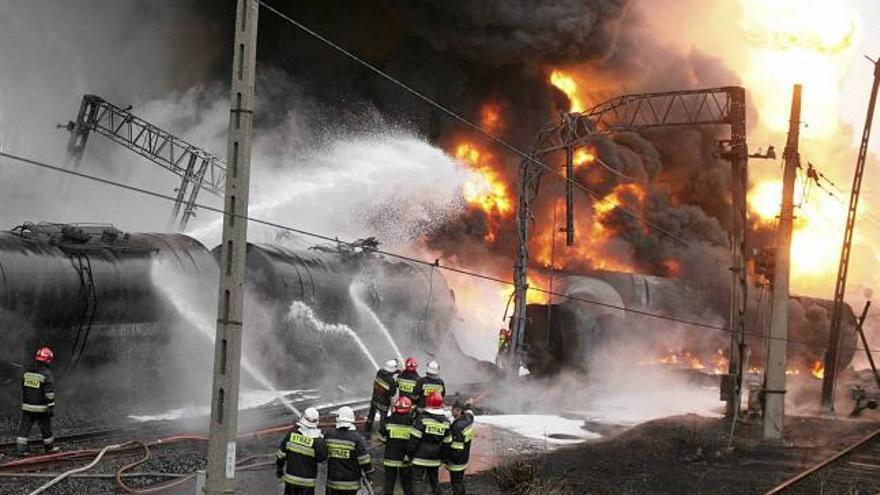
x: 458, y: 452
x: 429, y: 437
x: 37, y: 401
x: 384, y: 389
x: 395, y: 436
x: 429, y: 384
x: 408, y: 378
x: 301, y: 450
x: 504, y: 338
x: 348, y: 459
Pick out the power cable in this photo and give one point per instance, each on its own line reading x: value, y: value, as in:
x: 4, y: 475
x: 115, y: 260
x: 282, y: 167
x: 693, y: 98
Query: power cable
x: 497, y: 140
x: 435, y: 263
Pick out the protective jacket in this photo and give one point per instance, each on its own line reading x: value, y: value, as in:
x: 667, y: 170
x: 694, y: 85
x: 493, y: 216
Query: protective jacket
x: 458, y: 452
x: 428, y: 436
x: 426, y: 386
x: 406, y: 384
x: 395, y: 436
x: 384, y: 388
x: 348, y: 458
x: 300, y: 455
x: 37, y: 389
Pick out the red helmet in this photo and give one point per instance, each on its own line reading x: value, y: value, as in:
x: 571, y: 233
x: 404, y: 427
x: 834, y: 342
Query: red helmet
x: 44, y: 355
x: 403, y: 405
x: 434, y: 401
x: 411, y: 364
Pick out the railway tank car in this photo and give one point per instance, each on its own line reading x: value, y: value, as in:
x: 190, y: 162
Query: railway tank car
x: 85, y: 291
x: 90, y: 292
x: 351, y: 286
x: 566, y: 332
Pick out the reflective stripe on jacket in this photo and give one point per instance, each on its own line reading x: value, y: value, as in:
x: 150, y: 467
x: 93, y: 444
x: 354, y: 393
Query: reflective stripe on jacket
x: 406, y: 384
x: 457, y: 454
x: 37, y: 388
x: 300, y: 454
x: 426, y: 386
x: 428, y: 436
x: 395, y: 435
x: 384, y: 389
x: 347, y: 459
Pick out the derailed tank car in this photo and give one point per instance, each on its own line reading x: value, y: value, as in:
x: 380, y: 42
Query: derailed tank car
x: 85, y: 291
x: 350, y: 286
x: 566, y: 332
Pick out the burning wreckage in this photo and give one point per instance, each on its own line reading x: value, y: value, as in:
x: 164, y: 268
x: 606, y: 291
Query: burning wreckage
x: 92, y: 294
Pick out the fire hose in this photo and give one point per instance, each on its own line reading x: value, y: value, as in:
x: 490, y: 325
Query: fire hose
x: 88, y: 466
x: 78, y: 454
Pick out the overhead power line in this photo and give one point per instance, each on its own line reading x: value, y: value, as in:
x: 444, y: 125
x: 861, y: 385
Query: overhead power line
x: 433, y: 264
x: 455, y: 116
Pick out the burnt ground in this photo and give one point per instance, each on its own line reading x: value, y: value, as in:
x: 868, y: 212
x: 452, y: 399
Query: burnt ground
x: 677, y: 455
x: 689, y: 455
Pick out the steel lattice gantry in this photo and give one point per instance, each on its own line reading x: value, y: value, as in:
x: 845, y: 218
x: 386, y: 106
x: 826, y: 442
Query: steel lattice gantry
x: 197, y: 168
x: 714, y: 106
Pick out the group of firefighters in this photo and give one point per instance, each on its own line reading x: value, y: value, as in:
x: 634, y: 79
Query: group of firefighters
x: 418, y: 435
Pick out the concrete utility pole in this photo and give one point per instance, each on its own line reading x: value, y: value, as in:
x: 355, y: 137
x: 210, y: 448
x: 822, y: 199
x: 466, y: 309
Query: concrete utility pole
x: 840, y: 286
x: 230, y: 308
x: 774, y: 369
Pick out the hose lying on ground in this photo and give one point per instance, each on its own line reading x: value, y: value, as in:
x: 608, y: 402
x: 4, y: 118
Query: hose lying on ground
x: 88, y: 466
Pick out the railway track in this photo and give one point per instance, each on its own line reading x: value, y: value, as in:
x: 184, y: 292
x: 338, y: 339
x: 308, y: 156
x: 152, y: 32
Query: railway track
x: 852, y: 471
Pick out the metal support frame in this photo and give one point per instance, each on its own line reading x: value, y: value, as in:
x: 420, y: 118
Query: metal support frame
x: 774, y: 370
x: 197, y: 168
x: 713, y: 106
x: 861, y: 330
x: 831, y: 356
x: 233, y: 252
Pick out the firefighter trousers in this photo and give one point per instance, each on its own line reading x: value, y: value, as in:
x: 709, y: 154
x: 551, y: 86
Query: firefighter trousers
x: 371, y: 417
x: 392, y: 474
x: 27, y: 424
x: 456, y: 478
x: 432, y: 475
x: 298, y: 490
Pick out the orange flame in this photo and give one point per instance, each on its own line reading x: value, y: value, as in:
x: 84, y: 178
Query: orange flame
x: 817, y: 369
x: 485, y: 189
x: 490, y: 117
x: 565, y: 82
x: 584, y: 156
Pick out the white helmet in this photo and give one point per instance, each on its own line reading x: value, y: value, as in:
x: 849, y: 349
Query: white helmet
x: 344, y: 417
x: 433, y: 368
x: 309, y: 418
x: 391, y: 365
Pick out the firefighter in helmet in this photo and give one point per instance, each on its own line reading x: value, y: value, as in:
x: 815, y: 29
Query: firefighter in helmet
x: 38, y: 401
x: 407, y: 379
x: 429, y: 437
x: 384, y: 390
x: 395, y: 436
x: 458, y: 453
x: 504, y: 338
x: 429, y: 384
x: 301, y: 450
x: 349, y: 464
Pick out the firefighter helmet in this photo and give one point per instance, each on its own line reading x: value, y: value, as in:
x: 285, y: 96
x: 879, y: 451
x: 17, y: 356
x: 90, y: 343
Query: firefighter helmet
x: 411, y: 364
x: 44, y: 355
x: 309, y: 418
x: 433, y: 368
x: 434, y: 401
x: 391, y: 365
x: 403, y: 405
x: 344, y: 417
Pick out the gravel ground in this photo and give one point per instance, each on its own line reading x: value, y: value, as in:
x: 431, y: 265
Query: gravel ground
x: 678, y: 455
x: 689, y: 455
